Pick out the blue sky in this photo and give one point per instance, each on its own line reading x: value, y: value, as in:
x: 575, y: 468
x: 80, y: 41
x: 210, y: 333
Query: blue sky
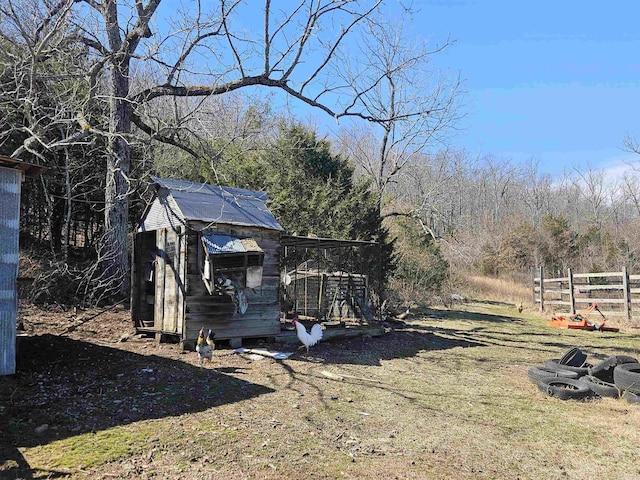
x: 555, y: 81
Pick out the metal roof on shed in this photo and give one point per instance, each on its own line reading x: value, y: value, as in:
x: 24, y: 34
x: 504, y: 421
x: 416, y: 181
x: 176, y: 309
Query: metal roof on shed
x: 219, y: 204
x: 227, y: 244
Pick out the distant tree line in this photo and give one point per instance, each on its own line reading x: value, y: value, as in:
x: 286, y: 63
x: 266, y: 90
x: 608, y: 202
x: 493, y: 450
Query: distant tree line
x: 497, y: 216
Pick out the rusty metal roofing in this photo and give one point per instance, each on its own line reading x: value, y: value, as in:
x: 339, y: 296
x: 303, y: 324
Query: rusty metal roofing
x: 27, y: 168
x: 227, y: 244
x: 219, y: 204
x: 316, y: 242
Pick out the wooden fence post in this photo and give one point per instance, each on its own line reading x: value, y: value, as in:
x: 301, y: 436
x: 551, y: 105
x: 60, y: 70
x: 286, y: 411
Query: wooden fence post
x: 572, y: 296
x: 541, y: 275
x: 625, y: 292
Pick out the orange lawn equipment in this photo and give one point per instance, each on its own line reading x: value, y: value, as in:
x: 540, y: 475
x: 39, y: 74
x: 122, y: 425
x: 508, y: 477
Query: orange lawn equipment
x: 580, y: 320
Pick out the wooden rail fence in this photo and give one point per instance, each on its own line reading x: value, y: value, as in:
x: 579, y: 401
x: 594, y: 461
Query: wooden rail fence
x: 616, y: 293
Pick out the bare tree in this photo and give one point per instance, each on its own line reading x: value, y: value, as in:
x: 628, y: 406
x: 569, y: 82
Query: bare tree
x: 535, y: 192
x: 201, y: 50
x: 596, y: 190
x: 412, y: 103
x: 631, y: 189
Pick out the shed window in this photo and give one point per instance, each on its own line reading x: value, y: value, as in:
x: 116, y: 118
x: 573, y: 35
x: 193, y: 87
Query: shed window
x: 227, y: 258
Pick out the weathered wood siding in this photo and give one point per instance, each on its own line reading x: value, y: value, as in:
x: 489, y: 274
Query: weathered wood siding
x: 158, y: 305
x: 217, y: 312
x: 10, y: 183
x: 169, y: 281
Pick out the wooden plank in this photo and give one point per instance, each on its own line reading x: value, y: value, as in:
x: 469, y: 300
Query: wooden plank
x: 219, y: 308
x: 214, y: 310
x: 598, y: 318
x: 597, y: 275
x: 269, y: 313
x: 557, y: 292
x: 271, y: 270
x: 228, y: 331
x: 182, y: 286
x: 217, y: 325
x: 556, y: 280
x: 556, y: 302
x: 170, y: 283
x: 261, y: 331
x: 197, y: 320
x: 240, y: 323
x: 158, y: 312
x: 600, y: 300
x: 264, y: 294
x: 589, y: 288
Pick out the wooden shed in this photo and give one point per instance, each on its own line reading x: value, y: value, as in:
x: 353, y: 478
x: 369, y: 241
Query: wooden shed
x: 12, y: 173
x: 206, y: 256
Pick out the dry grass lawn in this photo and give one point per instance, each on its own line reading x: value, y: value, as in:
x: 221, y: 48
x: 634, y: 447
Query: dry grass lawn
x: 446, y: 396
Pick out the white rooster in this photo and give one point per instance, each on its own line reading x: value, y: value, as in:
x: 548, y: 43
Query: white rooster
x: 308, y: 339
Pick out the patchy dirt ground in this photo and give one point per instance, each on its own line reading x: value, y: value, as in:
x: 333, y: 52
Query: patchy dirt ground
x: 445, y: 396
x: 87, y: 372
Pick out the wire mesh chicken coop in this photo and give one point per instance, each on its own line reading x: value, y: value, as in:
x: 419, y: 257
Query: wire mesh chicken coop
x: 330, y: 280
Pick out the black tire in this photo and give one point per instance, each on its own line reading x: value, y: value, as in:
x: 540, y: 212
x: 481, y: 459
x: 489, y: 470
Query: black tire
x: 565, y: 388
x: 573, y: 357
x: 600, y: 388
x: 536, y: 374
x: 631, y: 397
x: 604, y: 369
x: 627, y: 377
x: 554, y: 364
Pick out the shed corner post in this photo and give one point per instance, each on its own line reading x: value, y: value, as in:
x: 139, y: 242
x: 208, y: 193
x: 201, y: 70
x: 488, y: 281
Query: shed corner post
x: 572, y: 296
x: 626, y: 292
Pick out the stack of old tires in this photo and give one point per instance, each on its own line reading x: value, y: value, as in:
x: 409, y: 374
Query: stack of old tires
x: 571, y: 377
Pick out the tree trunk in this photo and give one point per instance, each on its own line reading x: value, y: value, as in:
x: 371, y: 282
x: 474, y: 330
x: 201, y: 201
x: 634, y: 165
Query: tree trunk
x: 115, y: 250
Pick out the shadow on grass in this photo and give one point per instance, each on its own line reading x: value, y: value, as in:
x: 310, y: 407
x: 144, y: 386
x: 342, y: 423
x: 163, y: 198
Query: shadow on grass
x: 494, y: 302
x: 487, y: 331
x: 470, y: 316
x: 401, y: 343
x: 74, y: 387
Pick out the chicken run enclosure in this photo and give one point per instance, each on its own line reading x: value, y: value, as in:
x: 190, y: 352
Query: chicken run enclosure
x: 330, y: 280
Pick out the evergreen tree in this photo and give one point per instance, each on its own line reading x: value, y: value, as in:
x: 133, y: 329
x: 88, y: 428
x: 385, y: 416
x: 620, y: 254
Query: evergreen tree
x: 312, y: 191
